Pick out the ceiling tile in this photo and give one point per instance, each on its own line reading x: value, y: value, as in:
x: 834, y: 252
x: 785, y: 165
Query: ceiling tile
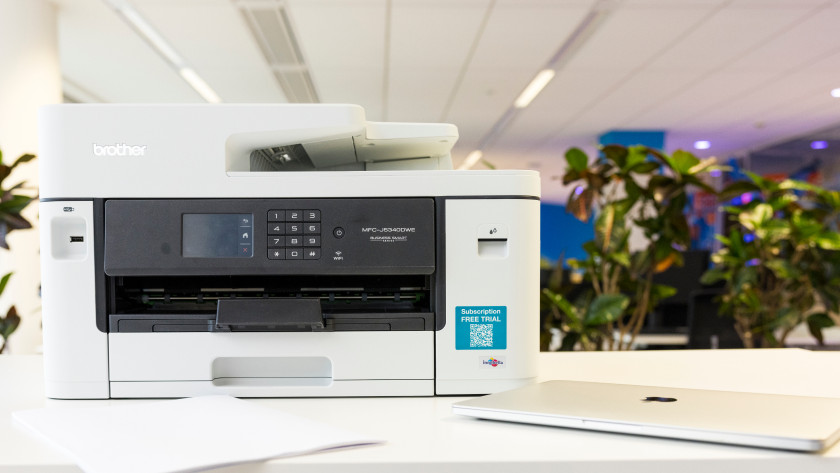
x: 629, y: 38
x: 728, y: 34
x: 340, y: 33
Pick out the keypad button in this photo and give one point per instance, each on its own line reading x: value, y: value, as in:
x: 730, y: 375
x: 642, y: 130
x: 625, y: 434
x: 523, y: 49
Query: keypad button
x: 312, y: 253
x: 312, y: 215
x: 294, y: 241
x: 277, y: 253
x: 294, y: 228
x: 312, y: 228
x: 276, y: 215
x: 276, y: 229
x: 276, y: 241
x: 294, y: 215
x: 312, y: 240
x: 294, y: 253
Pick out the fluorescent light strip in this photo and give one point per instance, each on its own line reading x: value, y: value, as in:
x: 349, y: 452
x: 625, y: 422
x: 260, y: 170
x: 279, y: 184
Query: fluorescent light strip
x: 534, y: 88
x: 197, y: 83
x: 150, y: 34
x: 471, y: 159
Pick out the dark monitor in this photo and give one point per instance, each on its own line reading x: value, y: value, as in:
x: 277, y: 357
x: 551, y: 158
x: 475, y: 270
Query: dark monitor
x: 671, y: 315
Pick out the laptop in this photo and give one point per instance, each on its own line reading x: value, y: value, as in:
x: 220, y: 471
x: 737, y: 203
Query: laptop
x: 759, y: 420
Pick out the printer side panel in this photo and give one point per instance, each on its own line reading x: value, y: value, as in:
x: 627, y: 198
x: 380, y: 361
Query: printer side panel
x: 490, y: 340
x: 75, y: 351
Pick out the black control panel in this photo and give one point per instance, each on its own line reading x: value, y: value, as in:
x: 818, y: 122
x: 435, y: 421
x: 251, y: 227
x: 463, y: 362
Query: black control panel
x: 161, y: 237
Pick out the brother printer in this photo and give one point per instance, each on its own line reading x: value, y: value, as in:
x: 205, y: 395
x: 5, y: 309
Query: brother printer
x: 279, y: 250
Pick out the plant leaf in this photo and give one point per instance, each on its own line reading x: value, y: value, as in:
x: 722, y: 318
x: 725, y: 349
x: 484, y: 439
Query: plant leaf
x: 816, y: 323
x: 738, y: 188
x: 580, y: 205
x: 605, y: 308
x: 9, y: 323
x: 616, y: 153
x: 576, y: 159
x: 683, y: 161
x: 23, y: 159
x: 4, y: 281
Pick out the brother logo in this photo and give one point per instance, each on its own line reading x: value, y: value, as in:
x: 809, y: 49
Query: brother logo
x: 119, y: 149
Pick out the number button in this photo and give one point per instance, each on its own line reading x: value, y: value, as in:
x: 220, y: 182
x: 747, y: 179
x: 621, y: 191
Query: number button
x: 312, y: 215
x: 276, y: 229
x: 294, y: 215
x: 294, y: 228
x: 276, y: 215
x: 275, y: 241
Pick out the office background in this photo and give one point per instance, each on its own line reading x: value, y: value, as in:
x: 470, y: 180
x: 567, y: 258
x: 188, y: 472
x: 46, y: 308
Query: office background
x: 753, y: 82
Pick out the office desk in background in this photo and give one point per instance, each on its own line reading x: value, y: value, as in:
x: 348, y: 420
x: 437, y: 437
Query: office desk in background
x: 423, y: 435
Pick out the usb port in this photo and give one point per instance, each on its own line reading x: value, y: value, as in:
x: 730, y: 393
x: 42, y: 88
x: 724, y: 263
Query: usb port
x: 77, y: 239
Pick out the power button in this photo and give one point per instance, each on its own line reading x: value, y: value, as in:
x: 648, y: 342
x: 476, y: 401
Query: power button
x: 338, y: 232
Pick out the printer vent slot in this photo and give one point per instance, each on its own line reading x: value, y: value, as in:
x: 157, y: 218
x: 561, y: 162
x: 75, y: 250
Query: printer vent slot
x: 346, y: 303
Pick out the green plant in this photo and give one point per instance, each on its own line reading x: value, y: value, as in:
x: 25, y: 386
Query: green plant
x: 780, y: 261
x: 631, y: 187
x: 12, y: 204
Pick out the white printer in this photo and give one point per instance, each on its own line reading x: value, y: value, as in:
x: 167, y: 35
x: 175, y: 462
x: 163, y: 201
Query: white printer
x: 279, y: 250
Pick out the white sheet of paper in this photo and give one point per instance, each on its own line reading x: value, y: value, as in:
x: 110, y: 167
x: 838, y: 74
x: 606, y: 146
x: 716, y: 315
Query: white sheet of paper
x: 181, y: 435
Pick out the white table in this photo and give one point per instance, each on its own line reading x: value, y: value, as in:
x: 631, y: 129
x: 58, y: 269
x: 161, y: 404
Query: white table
x: 423, y: 435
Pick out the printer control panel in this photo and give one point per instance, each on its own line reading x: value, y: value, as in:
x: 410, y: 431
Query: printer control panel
x: 159, y: 237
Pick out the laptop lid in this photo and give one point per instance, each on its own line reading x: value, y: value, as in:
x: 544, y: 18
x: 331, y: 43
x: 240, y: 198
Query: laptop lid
x: 761, y: 420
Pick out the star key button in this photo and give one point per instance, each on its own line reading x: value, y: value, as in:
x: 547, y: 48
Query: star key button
x: 277, y: 253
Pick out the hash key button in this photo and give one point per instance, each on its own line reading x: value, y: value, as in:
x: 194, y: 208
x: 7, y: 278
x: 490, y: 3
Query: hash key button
x: 311, y: 253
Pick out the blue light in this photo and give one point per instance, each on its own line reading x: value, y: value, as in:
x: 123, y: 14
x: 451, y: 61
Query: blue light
x: 749, y: 238
x: 819, y: 144
x: 754, y: 262
x: 578, y: 190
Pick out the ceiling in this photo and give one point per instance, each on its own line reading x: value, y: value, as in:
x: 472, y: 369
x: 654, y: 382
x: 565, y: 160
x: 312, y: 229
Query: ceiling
x: 743, y: 74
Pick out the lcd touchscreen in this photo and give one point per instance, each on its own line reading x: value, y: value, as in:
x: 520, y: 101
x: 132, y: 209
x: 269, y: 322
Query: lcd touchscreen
x: 218, y: 235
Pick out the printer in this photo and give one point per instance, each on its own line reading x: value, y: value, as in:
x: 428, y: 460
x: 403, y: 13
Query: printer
x: 278, y: 251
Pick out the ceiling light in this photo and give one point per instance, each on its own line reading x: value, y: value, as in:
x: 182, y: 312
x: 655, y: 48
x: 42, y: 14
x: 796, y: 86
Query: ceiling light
x: 471, y: 159
x: 149, y: 33
x: 702, y: 144
x: 534, y: 88
x: 154, y: 39
x: 819, y: 144
x: 835, y: 93
x: 197, y: 83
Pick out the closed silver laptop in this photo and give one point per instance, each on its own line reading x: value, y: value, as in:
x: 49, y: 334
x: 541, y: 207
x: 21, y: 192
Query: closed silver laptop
x: 760, y: 420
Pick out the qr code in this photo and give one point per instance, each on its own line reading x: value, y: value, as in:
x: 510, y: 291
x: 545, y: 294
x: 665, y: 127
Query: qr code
x: 481, y: 335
